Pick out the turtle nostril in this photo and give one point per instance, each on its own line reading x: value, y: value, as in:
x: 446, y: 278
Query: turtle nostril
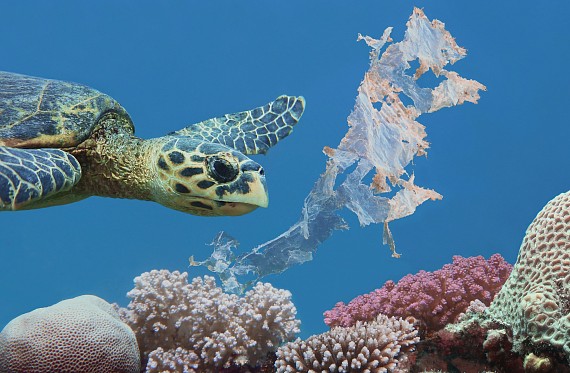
x: 261, y: 172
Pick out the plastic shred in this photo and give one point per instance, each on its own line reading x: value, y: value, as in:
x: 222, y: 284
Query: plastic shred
x: 383, y: 141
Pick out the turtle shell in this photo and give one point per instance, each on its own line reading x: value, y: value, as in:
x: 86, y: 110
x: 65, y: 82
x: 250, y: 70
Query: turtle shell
x: 37, y: 112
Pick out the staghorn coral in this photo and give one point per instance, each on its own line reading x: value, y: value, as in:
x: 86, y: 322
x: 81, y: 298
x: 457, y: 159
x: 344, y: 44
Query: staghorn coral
x: 197, y: 319
x: 436, y: 298
x: 83, y: 334
x: 376, y: 346
x: 535, y: 300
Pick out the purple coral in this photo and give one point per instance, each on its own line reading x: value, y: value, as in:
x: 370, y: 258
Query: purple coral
x: 436, y: 298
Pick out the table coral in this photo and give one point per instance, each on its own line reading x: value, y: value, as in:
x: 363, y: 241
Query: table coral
x: 436, y: 298
x: 380, y: 345
x: 535, y: 300
x: 177, y: 319
x: 80, y: 335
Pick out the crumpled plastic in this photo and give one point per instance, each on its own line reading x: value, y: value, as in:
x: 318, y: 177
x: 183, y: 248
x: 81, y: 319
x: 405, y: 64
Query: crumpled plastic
x: 383, y: 138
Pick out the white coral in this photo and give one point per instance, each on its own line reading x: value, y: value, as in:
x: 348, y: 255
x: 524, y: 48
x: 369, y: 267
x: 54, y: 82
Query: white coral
x: 377, y: 346
x: 172, y: 361
x: 82, y: 335
x: 222, y: 329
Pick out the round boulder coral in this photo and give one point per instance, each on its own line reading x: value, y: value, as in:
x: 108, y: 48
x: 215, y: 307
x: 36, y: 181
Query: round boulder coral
x: 79, y: 335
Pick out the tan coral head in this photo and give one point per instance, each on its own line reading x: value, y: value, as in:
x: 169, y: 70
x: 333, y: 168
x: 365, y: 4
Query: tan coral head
x: 207, y: 179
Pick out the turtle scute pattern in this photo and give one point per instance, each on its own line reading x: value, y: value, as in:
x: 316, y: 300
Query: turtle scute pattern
x: 253, y: 131
x: 535, y: 300
x: 31, y: 174
x: 38, y: 112
x: 79, y: 335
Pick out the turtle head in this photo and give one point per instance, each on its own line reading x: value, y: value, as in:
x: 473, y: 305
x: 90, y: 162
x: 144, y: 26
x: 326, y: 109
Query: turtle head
x: 203, y: 178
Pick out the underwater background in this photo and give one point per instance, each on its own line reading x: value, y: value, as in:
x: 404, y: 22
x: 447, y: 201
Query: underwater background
x: 496, y: 163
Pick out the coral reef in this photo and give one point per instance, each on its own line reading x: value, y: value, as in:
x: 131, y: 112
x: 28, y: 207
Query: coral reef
x: 175, y: 360
x: 435, y: 298
x: 198, y: 326
x: 467, y: 347
x: 380, y: 345
x: 81, y: 335
x: 535, y: 300
x: 527, y: 326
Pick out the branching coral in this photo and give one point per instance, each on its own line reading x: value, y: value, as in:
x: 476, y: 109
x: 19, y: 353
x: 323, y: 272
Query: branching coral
x: 436, y: 298
x: 197, y: 324
x: 376, y: 346
x: 175, y: 360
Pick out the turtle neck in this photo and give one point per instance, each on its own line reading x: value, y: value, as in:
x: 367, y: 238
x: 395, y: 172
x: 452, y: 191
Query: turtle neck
x: 114, y: 162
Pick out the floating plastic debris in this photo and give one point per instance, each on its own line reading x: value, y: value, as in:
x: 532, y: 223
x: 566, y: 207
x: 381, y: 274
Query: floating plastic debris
x: 383, y: 140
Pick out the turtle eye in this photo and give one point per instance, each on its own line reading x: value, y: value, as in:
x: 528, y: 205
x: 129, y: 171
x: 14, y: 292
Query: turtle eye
x: 221, y: 170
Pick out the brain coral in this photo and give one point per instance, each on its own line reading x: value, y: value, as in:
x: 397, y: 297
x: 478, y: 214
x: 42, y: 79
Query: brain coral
x: 82, y: 334
x: 535, y: 300
x: 376, y: 346
x: 197, y: 325
x: 436, y: 298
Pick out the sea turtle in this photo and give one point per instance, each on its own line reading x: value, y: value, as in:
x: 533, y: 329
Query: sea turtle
x: 61, y: 142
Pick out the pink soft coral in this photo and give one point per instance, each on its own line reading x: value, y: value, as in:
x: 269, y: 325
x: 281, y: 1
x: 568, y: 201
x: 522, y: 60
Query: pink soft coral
x: 436, y: 298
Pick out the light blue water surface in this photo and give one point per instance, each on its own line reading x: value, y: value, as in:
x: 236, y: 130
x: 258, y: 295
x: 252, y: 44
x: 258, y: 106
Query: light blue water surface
x: 174, y: 63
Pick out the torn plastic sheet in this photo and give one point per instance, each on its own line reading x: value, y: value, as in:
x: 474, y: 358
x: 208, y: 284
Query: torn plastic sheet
x: 382, y: 140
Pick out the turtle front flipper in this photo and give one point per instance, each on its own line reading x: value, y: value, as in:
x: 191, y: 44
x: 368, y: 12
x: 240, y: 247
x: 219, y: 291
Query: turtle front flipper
x: 253, y: 131
x: 29, y: 177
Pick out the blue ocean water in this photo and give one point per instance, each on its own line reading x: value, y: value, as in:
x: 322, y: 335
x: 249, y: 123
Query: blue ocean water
x: 171, y: 64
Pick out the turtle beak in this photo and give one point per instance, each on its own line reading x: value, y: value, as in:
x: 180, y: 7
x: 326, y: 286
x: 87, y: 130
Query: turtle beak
x: 258, y: 191
x: 255, y: 189
x: 249, y: 193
